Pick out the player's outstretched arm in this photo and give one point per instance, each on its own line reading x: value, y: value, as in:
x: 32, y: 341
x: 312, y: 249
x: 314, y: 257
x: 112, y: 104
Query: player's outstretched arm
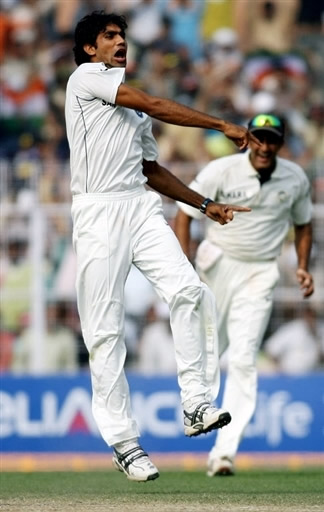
x: 163, y: 181
x: 174, y: 113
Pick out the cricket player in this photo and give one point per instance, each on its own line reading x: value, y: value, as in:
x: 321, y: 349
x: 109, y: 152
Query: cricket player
x: 239, y: 261
x: 117, y: 222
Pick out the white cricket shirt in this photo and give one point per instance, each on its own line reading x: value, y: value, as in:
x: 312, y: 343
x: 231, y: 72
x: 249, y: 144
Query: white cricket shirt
x: 107, y: 142
x: 259, y: 234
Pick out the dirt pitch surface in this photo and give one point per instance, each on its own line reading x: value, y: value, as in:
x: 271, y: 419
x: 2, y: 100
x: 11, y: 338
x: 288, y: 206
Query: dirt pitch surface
x: 59, y: 505
x: 174, y: 491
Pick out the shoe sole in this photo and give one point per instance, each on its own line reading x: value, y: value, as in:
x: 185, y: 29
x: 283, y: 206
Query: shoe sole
x: 221, y: 472
x: 199, y: 428
x: 224, y: 472
x: 120, y: 468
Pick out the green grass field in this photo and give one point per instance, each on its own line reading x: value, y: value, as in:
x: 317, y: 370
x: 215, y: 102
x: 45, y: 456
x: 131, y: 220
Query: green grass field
x: 261, y: 491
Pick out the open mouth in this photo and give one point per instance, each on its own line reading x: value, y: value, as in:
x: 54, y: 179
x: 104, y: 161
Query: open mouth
x: 263, y: 157
x: 120, y: 55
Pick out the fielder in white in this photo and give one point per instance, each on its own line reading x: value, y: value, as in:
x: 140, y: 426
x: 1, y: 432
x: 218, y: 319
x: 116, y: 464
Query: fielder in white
x: 117, y: 222
x: 238, y: 261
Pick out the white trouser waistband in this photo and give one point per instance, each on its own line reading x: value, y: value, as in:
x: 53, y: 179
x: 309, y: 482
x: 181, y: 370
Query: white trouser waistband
x: 108, y: 196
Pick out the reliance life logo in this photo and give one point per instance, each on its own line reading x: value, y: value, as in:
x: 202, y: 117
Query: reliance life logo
x: 73, y: 416
x: 32, y: 416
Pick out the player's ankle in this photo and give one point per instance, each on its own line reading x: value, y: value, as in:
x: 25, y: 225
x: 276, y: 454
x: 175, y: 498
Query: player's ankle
x: 190, y: 405
x: 124, y: 446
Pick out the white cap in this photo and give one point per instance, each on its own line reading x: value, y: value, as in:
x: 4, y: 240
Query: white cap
x: 224, y: 37
x: 263, y: 101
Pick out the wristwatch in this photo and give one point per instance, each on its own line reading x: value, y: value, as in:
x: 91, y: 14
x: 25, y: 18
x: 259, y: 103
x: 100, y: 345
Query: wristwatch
x: 203, y: 206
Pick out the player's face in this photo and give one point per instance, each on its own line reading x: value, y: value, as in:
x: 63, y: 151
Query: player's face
x: 264, y: 157
x: 110, y: 47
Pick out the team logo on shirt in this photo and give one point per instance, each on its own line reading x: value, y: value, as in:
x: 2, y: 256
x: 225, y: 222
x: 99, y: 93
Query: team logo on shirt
x: 233, y: 194
x: 282, y: 196
x: 140, y: 114
x: 107, y: 104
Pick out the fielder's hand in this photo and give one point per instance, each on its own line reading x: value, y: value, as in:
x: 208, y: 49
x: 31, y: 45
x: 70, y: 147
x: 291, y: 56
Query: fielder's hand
x: 223, y: 213
x: 239, y: 135
x: 305, y: 280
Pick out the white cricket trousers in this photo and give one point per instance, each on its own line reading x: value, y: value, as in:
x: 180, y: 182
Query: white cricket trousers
x: 244, y: 297
x: 110, y: 232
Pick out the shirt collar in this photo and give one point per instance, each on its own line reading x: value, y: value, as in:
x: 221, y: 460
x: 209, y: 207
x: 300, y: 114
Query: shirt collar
x: 250, y: 169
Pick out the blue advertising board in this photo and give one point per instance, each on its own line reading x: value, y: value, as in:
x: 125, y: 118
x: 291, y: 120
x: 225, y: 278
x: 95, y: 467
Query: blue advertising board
x: 53, y: 414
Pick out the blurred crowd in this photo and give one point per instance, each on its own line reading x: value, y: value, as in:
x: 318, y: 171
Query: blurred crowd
x: 230, y: 58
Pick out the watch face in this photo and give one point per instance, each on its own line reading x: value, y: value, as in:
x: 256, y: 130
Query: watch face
x: 203, y: 206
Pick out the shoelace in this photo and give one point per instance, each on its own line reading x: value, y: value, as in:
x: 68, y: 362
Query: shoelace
x: 197, y: 414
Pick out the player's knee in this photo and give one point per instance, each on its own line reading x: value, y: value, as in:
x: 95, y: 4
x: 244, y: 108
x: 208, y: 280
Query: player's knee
x: 106, y: 322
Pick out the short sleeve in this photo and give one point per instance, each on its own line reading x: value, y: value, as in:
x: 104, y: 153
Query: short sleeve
x: 302, y: 207
x: 95, y: 80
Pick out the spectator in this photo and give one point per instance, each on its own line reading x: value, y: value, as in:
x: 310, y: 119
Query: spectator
x: 16, y: 274
x: 60, y: 345
x: 145, y: 14
x: 267, y: 24
x: 156, y: 348
x: 185, y: 17
x: 297, y: 347
x: 135, y: 310
x: 6, y: 350
x: 23, y: 92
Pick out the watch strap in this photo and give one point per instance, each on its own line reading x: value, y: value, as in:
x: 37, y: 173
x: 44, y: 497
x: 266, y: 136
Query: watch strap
x: 203, y: 206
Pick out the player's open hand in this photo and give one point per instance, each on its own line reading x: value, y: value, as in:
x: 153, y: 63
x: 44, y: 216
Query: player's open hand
x: 305, y: 280
x: 239, y: 135
x: 224, y: 213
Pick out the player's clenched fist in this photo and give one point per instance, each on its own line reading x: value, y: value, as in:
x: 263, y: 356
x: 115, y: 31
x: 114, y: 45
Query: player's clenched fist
x: 223, y: 213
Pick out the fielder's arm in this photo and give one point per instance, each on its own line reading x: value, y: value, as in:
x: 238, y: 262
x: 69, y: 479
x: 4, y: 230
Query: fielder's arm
x: 163, y: 181
x: 303, y: 244
x: 174, y: 113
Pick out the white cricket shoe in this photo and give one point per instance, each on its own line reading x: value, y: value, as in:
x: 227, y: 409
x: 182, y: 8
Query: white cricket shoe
x: 220, y: 466
x: 136, y: 465
x: 205, y: 418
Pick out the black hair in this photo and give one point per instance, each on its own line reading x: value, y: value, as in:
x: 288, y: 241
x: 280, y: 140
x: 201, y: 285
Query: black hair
x: 88, y: 28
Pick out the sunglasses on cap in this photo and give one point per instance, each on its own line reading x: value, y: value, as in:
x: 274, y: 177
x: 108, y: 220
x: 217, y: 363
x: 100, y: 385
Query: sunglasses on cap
x: 263, y: 120
x: 267, y: 123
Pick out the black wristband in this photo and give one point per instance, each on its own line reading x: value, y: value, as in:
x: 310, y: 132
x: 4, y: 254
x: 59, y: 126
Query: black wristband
x: 203, y: 206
